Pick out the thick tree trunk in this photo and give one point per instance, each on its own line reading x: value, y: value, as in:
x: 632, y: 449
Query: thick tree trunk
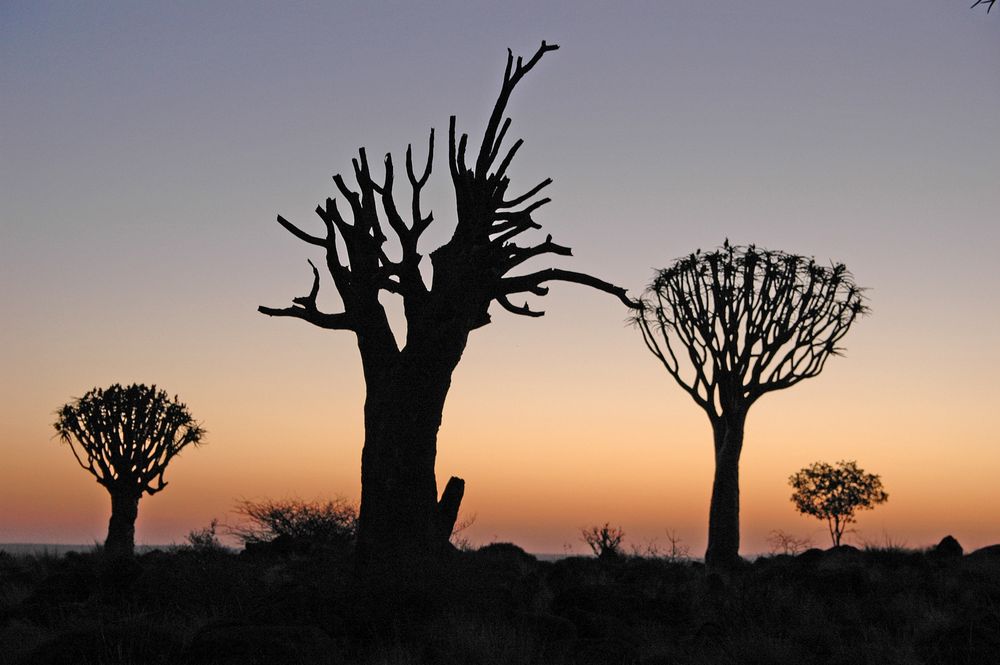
x: 401, y: 526
x: 724, y: 512
x: 120, y: 542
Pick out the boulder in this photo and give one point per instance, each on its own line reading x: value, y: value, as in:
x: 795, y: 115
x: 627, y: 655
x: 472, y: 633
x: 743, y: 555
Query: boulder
x: 988, y: 552
x: 948, y: 547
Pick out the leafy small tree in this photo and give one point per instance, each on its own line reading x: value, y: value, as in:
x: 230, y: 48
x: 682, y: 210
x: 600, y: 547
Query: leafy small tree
x: 605, y: 541
x: 125, y: 436
x: 835, y: 493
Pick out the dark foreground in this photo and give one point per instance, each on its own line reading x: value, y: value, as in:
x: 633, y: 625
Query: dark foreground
x: 297, y: 607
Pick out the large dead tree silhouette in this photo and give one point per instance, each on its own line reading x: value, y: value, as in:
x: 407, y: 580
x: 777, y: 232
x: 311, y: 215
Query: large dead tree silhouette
x: 733, y: 324
x: 401, y: 522
x: 125, y: 437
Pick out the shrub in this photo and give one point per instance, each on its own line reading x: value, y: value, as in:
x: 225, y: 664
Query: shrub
x: 675, y: 551
x: 205, y: 539
x: 332, y: 522
x: 460, y: 542
x: 605, y: 541
x: 781, y: 542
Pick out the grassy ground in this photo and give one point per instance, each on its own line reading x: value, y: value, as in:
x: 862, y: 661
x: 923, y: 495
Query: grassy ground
x: 501, y: 605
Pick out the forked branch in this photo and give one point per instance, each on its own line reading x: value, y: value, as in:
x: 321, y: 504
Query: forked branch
x: 750, y: 321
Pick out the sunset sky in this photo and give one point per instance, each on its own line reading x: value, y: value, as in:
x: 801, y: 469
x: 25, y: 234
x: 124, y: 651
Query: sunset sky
x: 146, y: 148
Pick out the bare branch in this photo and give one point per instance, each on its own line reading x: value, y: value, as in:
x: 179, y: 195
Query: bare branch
x: 305, y: 309
x: 127, y: 435
x: 300, y: 234
x: 751, y: 320
x: 341, y: 321
x: 518, y: 255
x: 523, y: 283
x: 527, y: 195
x: 514, y: 309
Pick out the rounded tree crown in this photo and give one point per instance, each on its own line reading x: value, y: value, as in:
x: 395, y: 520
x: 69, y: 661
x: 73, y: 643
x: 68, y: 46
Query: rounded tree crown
x: 126, y: 435
x: 739, y: 321
x: 837, y: 491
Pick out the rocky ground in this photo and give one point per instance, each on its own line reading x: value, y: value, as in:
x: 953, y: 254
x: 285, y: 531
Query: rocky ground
x: 294, y: 604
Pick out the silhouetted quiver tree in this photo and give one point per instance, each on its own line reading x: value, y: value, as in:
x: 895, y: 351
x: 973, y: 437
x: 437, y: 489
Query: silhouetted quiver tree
x: 733, y: 324
x: 401, y: 521
x: 125, y: 437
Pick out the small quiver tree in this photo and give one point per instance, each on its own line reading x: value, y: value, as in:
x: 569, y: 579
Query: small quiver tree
x: 125, y: 437
x: 733, y: 324
x: 835, y: 493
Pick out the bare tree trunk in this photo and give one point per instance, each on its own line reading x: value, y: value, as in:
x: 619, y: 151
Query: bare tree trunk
x: 724, y: 512
x: 120, y: 542
x: 836, y: 530
x: 451, y: 500
x: 401, y: 527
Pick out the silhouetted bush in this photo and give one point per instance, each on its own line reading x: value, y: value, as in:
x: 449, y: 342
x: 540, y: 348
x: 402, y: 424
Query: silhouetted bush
x: 786, y: 543
x: 205, y: 539
x: 605, y: 541
x: 294, y: 524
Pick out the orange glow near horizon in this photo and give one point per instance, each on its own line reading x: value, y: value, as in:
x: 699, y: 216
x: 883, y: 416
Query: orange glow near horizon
x: 550, y: 441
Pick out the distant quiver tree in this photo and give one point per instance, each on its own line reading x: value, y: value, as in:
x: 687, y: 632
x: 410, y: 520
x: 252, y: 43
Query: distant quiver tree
x: 735, y: 323
x: 402, y: 526
x: 125, y: 437
x: 835, y: 494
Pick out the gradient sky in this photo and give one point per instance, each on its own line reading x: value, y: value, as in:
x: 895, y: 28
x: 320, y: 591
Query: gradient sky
x: 145, y: 149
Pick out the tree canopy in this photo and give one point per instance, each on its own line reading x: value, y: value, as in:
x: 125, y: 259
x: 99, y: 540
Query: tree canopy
x: 125, y: 436
x: 737, y: 322
x: 836, y: 493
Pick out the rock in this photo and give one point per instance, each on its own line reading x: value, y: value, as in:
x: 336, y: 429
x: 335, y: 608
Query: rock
x: 811, y: 555
x: 948, y: 547
x: 508, y: 554
x: 841, y: 556
x: 990, y: 551
x: 842, y: 550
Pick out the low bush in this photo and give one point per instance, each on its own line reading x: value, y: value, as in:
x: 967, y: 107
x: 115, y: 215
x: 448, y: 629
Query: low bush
x: 324, y: 523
